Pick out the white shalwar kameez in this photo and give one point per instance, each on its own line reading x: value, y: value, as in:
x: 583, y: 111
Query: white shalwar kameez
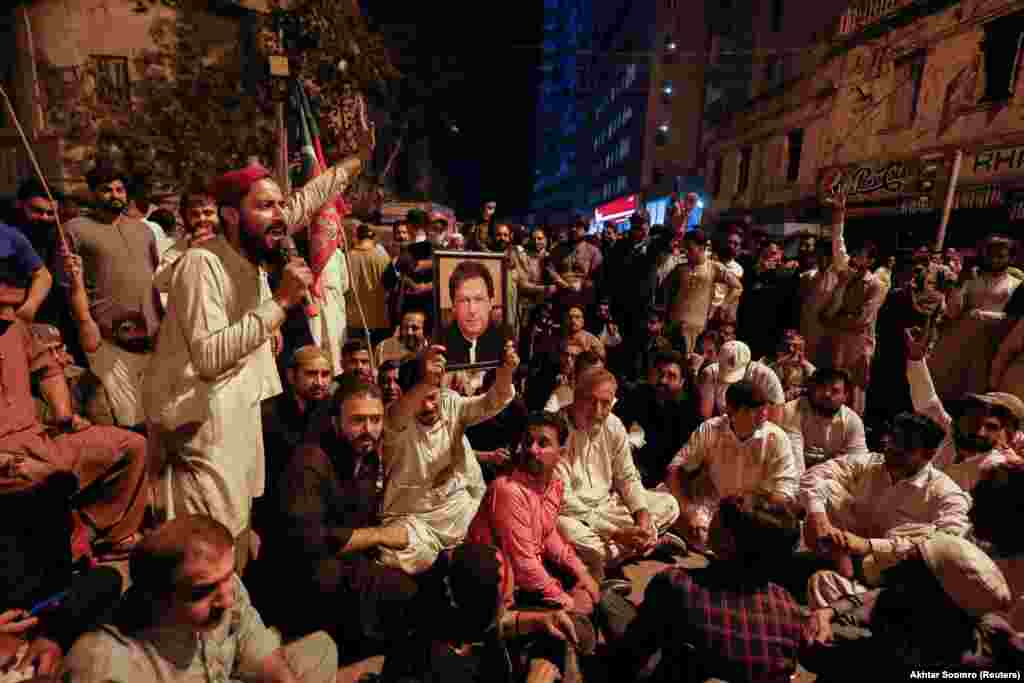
x: 602, y: 492
x: 329, y: 326
x: 433, y: 482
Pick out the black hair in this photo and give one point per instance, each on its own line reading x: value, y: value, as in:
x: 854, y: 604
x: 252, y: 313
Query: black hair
x: 11, y: 274
x: 998, y: 505
x: 744, y: 394
x: 761, y: 529
x: 354, y: 346
x: 475, y: 581
x: 417, y: 217
x: 165, y: 219
x: 704, y: 337
x: 388, y: 366
x: 469, y: 270
x: 656, y: 311
x: 103, y: 172
x: 548, y: 419
x: 824, y: 375
x: 670, y: 357
x: 351, y: 385
x: 697, y: 236
x: 917, y: 430
x: 365, y: 232
x: 586, y: 360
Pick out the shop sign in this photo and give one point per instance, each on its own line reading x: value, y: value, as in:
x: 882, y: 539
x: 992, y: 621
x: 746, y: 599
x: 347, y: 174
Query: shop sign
x: 892, y: 182
x: 616, y: 209
x: 996, y: 161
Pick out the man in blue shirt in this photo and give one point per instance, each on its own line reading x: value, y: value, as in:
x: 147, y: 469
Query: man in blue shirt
x: 15, y: 245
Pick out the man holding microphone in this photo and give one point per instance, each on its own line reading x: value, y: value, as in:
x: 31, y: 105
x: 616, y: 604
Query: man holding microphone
x: 214, y: 362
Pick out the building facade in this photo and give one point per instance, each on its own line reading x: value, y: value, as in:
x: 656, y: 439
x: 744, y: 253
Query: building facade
x: 883, y: 107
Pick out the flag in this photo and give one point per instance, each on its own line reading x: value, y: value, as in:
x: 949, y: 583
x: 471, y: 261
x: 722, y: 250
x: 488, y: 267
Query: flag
x: 325, y: 228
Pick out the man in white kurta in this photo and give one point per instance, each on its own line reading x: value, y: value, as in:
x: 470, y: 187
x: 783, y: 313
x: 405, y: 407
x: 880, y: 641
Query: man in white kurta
x: 606, y: 513
x: 879, y: 506
x: 213, y: 363
x: 433, y: 482
x: 820, y: 425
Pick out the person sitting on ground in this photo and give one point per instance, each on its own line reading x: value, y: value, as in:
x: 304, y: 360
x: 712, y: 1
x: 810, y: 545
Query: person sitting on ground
x: 735, y: 364
x: 519, y: 515
x: 981, y: 438
x: 790, y: 365
x: 740, y: 453
x: 646, y: 348
x: 573, y: 332
x: 705, y: 352
x: 939, y: 610
x: 188, y: 616
x: 577, y: 364
x: 30, y: 451
x: 330, y: 499
x: 606, y: 513
x: 820, y: 425
x: 434, y: 483
x: 665, y: 412
x: 875, y: 507
x: 728, y: 621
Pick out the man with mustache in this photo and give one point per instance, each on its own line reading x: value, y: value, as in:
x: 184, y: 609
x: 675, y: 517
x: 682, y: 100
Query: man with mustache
x: 388, y: 379
x: 575, y: 267
x: 666, y: 411
x: 330, y: 501
x: 188, y: 615
x: 408, y: 341
x: 119, y: 260
x: 39, y: 226
x: 820, y: 425
x: 980, y: 440
x: 214, y: 362
x: 435, y: 482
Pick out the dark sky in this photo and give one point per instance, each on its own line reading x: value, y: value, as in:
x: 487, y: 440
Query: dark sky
x: 489, y: 54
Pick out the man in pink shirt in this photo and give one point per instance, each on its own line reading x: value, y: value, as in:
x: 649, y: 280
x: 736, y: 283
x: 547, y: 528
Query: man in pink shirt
x: 519, y: 515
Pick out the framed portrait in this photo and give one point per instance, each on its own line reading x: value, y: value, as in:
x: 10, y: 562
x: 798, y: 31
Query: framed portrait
x: 472, y: 318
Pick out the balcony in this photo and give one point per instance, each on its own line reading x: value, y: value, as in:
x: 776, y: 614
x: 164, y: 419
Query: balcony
x: 864, y: 13
x: 871, y: 16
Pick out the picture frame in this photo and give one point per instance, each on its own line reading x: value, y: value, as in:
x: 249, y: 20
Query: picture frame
x: 481, y: 285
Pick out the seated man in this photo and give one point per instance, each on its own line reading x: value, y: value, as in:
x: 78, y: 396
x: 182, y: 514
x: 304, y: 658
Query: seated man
x: 734, y: 364
x: 790, y: 364
x: 980, y: 439
x: 729, y: 620
x: 519, y: 515
x: 330, y: 504
x: 877, y: 505
x: 188, y: 617
x: 644, y: 348
x: 666, y: 411
x: 113, y: 511
x: 737, y: 454
x: 820, y: 425
x: 433, y: 483
x: 606, y: 513
x: 939, y: 610
x: 574, y: 363
x: 407, y: 341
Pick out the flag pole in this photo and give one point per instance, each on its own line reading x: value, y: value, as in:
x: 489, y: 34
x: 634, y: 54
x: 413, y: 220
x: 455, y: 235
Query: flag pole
x: 947, y: 209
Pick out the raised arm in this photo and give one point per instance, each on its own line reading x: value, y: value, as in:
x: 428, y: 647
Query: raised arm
x: 304, y: 204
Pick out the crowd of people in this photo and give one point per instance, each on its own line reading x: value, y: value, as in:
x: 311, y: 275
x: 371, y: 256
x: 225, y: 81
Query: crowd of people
x: 818, y: 448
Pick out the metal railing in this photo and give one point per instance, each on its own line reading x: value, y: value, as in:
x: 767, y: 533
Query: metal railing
x: 863, y: 13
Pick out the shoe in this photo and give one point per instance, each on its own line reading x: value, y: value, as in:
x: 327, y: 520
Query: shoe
x: 620, y: 586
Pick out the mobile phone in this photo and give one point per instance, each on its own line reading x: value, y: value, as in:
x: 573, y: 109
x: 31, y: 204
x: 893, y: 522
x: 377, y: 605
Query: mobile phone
x: 48, y: 604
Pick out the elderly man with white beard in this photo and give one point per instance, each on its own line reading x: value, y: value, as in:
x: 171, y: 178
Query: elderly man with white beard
x: 606, y: 512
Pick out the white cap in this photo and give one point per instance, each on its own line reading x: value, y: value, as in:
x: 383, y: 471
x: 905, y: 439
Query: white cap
x: 733, y: 359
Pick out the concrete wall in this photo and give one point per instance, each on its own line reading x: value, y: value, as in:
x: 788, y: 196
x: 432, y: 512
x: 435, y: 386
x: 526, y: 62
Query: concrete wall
x: 844, y: 109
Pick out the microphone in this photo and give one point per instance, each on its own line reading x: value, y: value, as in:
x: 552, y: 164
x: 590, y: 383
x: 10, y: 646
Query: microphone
x: 287, y: 251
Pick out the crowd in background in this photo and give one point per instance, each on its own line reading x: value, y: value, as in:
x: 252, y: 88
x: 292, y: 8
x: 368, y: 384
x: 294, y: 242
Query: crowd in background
x: 818, y: 442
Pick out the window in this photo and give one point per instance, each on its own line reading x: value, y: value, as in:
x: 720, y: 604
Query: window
x: 743, y: 176
x: 661, y: 136
x: 777, y: 10
x: 906, y: 90
x: 794, y: 150
x: 112, y: 80
x: 1001, y: 48
x: 670, y: 44
x: 716, y: 177
x: 666, y: 91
